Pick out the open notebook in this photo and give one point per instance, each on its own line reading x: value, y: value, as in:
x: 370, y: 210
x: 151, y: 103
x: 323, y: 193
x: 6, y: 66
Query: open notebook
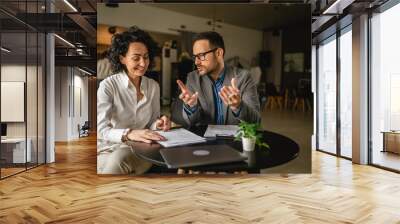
x: 178, y: 137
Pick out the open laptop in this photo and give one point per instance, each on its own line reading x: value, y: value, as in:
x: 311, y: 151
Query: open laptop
x: 191, y: 156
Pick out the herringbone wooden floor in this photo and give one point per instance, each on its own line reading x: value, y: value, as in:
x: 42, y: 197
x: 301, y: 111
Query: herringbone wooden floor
x: 69, y: 191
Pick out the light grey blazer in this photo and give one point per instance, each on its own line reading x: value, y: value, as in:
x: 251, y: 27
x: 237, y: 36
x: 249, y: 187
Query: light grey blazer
x: 205, y: 114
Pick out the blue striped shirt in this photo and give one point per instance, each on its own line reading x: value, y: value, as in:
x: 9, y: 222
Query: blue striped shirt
x: 217, y: 86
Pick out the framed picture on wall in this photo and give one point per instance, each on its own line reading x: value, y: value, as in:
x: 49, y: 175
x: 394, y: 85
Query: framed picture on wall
x: 293, y: 62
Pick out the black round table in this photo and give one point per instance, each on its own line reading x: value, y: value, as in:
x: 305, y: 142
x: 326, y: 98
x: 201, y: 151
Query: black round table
x: 282, y: 150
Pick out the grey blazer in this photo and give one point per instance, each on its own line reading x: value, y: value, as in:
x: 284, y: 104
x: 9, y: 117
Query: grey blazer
x: 205, y: 114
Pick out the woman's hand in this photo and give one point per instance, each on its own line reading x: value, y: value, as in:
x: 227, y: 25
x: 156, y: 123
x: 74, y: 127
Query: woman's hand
x: 163, y: 123
x: 145, y: 135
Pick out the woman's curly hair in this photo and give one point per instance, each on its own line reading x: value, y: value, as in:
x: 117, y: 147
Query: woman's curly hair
x: 120, y: 45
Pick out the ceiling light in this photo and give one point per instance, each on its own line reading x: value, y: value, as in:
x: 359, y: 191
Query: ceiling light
x: 84, y: 71
x: 329, y: 9
x: 5, y: 50
x: 337, y: 7
x: 70, y: 5
x: 65, y: 41
x: 80, y: 51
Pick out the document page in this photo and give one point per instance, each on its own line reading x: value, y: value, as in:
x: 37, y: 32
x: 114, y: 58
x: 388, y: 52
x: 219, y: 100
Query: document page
x: 221, y: 130
x: 178, y: 137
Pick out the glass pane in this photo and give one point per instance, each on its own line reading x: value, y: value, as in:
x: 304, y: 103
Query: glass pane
x: 13, y: 85
x: 41, y: 99
x: 22, y: 79
x: 327, y: 97
x: 345, y: 94
x: 32, y: 9
x: 31, y: 97
x: 386, y: 89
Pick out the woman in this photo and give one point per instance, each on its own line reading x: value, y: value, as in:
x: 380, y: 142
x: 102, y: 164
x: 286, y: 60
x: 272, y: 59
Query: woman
x: 128, y: 104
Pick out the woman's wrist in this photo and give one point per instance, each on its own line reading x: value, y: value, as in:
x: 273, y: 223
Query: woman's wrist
x: 125, y: 135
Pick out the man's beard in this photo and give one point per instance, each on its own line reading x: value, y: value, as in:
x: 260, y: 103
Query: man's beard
x: 207, y: 72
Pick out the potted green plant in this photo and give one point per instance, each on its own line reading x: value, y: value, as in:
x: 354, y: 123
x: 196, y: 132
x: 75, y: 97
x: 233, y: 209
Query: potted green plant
x: 247, y: 133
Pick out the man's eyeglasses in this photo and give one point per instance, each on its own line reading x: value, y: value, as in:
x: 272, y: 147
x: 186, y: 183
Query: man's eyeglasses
x: 202, y: 56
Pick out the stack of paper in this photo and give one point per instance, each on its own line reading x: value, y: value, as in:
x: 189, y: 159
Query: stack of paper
x: 178, y: 137
x: 221, y: 130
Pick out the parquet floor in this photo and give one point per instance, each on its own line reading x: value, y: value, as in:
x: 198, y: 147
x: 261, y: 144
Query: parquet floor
x: 69, y: 191
x: 9, y: 171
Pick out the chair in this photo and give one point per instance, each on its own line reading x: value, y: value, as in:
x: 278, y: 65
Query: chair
x: 84, y: 130
x: 302, y: 96
x: 274, y: 99
x: 299, y: 102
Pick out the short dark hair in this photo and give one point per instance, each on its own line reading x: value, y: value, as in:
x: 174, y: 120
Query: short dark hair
x: 213, y: 37
x: 120, y: 45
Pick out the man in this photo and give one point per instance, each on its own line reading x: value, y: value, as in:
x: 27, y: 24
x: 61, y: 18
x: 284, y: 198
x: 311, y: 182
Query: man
x: 215, y: 93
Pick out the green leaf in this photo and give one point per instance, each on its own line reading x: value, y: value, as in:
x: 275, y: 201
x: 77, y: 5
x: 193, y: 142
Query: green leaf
x: 249, y: 130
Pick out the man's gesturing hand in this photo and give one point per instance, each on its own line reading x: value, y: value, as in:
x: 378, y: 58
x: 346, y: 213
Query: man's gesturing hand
x: 186, y: 96
x: 230, y: 95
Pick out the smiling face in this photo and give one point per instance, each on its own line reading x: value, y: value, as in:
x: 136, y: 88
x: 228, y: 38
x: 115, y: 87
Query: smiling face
x: 136, y: 59
x: 203, y: 50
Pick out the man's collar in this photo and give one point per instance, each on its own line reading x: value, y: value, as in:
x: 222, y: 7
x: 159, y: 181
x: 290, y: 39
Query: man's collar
x: 220, y: 78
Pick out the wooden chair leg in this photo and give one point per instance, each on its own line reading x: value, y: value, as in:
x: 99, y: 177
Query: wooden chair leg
x: 309, y: 108
x: 286, y: 98
x: 273, y: 102
x: 296, y: 101
x: 276, y: 101
x: 279, y: 100
x: 268, y: 104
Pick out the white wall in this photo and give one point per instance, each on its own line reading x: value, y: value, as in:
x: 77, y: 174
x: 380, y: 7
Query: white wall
x: 33, y: 127
x: 14, y: 72
x: 17, y: 73
x: 239, y: 41
x: 67, y: 80
x: 80, y: 82
x: 61, y: 103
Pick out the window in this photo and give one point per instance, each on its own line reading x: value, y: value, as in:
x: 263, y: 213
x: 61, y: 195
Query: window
x: 345, y: 43
x: 327, y: 96
x: 385, y: 87
x: 334, y: 137
x: 22, y: 74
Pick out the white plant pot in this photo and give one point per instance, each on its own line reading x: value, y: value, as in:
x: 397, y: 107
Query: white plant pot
x: 248, y: 144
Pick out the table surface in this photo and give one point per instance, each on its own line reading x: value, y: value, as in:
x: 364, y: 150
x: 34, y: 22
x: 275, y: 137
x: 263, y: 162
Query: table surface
x: 282, y: 150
